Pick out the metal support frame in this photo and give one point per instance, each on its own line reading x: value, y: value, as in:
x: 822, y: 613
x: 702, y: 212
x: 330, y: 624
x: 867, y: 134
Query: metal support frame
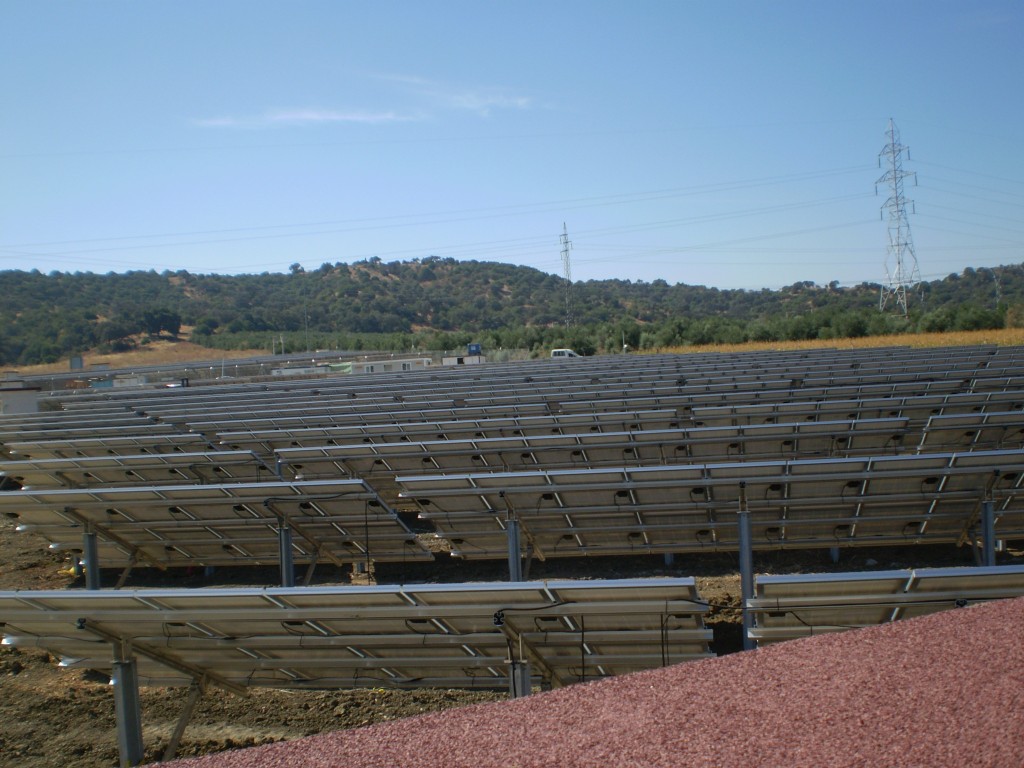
x: 512, y: 531
x: 984, y: 547
x: 988, y: 531
x: 125, y: 573
x: 310, y: 569
x: 90, y: 547
x: 528, y: 560
x: 285, y: 526
x: 746, y: 567
x: 527, y: 653
x: 126, y: 689
x: 518, y: 678
x: 127, y: 706
x: 515, y: 560
x: 195, y: 692
x: 284, y: 553
x: 91, y: 555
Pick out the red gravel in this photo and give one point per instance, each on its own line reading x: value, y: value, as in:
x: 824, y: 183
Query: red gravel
x: 941, y: 690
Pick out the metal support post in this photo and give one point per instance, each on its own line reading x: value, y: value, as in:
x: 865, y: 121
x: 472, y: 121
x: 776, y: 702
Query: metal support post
x: 746, y: 566
x: 90, y: 553
x: 515, y: 560
x: 518, y: 678
x: 284, y: 546
x: 988, y: 537
x: 515, y: 556
x: 126, y: 704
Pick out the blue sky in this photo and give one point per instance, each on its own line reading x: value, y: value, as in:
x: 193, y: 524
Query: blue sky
x: 727, y: 144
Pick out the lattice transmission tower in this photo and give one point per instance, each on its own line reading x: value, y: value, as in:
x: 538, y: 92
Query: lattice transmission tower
x: 567, y: 269
x: 901, y: 261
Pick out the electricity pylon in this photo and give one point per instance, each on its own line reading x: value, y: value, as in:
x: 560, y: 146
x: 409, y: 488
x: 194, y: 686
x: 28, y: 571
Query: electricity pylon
x: 567, y: 268
x: 900, y: 261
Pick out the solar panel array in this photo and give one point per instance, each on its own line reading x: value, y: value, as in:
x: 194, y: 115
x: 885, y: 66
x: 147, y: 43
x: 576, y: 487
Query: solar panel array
x: 338, y: 521
x: 383, y: 636
x: 790, y: 606
x: 420, y: 439
x: 616, y: 455
x: 889, y: 500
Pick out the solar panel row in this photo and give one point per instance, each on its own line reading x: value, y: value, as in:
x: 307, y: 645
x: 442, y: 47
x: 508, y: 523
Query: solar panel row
x: 382, y: 636
x: 799, y: 605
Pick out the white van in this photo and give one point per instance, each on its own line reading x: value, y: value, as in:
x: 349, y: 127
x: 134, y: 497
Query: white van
x: 563, y: 353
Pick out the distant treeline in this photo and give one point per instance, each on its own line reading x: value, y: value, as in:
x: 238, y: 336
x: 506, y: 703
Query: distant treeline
x: 442, y: 304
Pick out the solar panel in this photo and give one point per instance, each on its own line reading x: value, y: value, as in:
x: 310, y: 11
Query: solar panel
x: 378, y: 636
x: 67, y: 424
x: 125, y: 445
x: 791, y: 606
x: 141, y: 469
x: 268, y: 441
x: 975, y: 431
x: 906, y: 499
x: 17, y: 436
x: 226, y: 524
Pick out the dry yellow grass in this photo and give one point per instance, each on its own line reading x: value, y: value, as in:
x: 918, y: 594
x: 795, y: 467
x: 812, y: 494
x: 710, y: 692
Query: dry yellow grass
x: 159, y: 352
x: 163, y: 351
x: 1000, y: 337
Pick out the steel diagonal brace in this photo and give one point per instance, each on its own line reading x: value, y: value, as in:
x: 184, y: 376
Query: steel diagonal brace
x: 198, y: 674
x: 968, y: 536
x: 533, y: 548
x: 195, y: 692
x: 319, y: 547
x: 516, y: 641
x: 137, y: 553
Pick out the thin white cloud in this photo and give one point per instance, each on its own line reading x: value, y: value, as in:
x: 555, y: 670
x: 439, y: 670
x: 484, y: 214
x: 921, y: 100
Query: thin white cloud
x: 301, y: 117
x: 433, y: 97
x: 313, y: 116
x: 481, y: 100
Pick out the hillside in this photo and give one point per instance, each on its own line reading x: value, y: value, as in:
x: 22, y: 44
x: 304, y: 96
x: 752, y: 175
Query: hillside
x: 438, y: 303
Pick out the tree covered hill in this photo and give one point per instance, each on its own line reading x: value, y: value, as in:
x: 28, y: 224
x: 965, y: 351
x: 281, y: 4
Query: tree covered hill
x: 436, y: 303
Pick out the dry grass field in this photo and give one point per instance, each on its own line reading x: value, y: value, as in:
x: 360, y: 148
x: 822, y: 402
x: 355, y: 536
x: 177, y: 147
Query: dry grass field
x: 159, y: 352
x: 165, y: 351
x: 1001, y: 337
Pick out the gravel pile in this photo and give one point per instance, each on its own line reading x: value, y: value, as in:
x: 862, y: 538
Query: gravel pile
x: 941, y: 690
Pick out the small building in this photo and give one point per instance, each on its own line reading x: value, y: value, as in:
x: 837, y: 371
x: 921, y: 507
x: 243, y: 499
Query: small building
x: 130, y: 380
x: 392, y: 366
x: 17, y: 397
x: 474, y: 356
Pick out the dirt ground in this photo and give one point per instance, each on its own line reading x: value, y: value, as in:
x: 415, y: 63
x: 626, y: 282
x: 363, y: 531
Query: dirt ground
x: 55, y: 717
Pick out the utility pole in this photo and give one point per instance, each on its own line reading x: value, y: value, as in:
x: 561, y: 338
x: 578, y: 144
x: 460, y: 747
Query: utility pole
x: 567, y: 269
x: 901, y: 261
